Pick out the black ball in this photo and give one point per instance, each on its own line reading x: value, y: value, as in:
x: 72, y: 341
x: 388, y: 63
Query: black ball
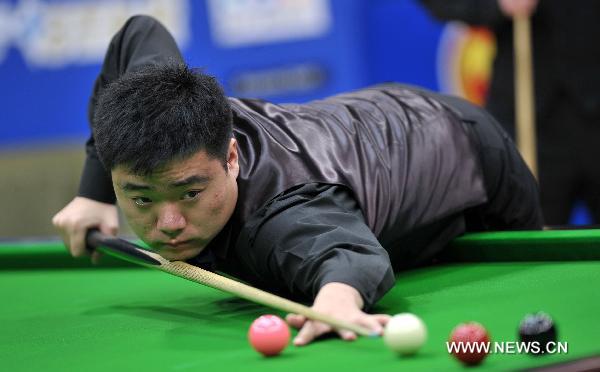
x: 538, y: 328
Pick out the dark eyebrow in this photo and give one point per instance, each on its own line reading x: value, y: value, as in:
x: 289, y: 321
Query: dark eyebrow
x: 190, y: 180
x: 128, y: 186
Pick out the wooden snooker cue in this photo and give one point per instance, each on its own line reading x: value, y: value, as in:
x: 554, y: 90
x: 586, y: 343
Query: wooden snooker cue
x: 524, y: 95
x: 128, y: 251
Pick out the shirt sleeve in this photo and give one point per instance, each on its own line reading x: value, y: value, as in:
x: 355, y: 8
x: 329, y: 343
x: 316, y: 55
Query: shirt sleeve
x: 474, y: 12
x: 316, y: 235
x: 95, y: 183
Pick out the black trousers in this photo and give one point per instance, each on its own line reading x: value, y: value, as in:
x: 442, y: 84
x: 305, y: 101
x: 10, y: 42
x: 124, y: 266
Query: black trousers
x: 569, y: 154
x: 141, y: 41
x: 568, y: 141
x: 513, y: 193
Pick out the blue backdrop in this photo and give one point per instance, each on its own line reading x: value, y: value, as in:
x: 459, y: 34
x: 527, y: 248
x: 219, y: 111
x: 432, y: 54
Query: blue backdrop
x: 364, y: 42
x: 282, y: 50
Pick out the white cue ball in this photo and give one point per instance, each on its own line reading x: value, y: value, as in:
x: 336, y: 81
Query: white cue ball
x: 405, y: 333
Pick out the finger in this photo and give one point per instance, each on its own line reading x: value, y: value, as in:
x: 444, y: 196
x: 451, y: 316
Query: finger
x: 96, y: 256
x: 56, y: 220
x: 295, y: 320
x: 382, y: 319
x: 66, y: 241
x: 306, y: 334
x: 77, y: 245
x: 375, y: 323
x: 532, y: 6
x: 58, y: 223
x: 347, y: 335
x: 309, y: 332
x: 109, y: 229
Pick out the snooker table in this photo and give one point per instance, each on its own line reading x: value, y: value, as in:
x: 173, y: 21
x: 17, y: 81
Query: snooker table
x: 60, y: 313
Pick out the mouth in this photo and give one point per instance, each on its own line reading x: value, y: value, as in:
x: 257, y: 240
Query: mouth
x: 177, y: 249
x: 174, y: 245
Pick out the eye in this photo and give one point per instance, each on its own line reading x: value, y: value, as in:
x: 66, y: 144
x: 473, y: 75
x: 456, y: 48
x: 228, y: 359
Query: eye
x: 190, y: 195
x: 141, y: 201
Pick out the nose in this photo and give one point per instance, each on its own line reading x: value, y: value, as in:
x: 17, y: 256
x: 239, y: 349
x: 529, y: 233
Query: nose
x: 171, y: 222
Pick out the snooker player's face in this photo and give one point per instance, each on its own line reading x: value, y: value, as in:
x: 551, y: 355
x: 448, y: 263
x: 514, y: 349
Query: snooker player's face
x: 181, y: 207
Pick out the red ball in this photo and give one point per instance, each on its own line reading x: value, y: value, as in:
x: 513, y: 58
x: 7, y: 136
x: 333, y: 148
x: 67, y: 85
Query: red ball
x: 269, y: 335
x: 469, y: 340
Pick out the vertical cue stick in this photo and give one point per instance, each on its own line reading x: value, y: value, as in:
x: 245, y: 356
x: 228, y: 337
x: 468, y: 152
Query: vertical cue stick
x: 524, y: 99
x: 128, y: 251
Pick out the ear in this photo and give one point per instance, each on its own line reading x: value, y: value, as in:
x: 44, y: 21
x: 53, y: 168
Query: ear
x: 233, y: 166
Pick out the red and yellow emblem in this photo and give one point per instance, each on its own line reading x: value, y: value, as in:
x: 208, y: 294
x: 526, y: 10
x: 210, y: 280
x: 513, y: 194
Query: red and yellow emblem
x: 465, y: 56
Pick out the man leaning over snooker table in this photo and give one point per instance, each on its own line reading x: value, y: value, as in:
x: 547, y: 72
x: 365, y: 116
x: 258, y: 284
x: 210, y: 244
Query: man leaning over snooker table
x: 321, y: 201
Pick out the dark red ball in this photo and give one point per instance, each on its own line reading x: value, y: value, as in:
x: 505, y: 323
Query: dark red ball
x: 469, y: 341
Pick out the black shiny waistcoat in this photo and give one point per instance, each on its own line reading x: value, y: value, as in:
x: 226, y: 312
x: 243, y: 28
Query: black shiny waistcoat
x: 406, y: 157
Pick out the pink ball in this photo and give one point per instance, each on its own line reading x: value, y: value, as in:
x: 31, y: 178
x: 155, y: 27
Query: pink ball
x: 269, y: 335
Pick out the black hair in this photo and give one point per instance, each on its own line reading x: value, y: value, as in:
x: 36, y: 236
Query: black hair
x: 150, y: 117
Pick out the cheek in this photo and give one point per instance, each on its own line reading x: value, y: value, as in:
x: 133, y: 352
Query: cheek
x: 140, y: 224
x: 138, y: 221
x: 205, y: 214
x: 217, y: 203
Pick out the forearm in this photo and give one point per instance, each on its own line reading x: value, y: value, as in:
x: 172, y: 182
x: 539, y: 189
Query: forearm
x: 305, y: 245
x: 370, y: 275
